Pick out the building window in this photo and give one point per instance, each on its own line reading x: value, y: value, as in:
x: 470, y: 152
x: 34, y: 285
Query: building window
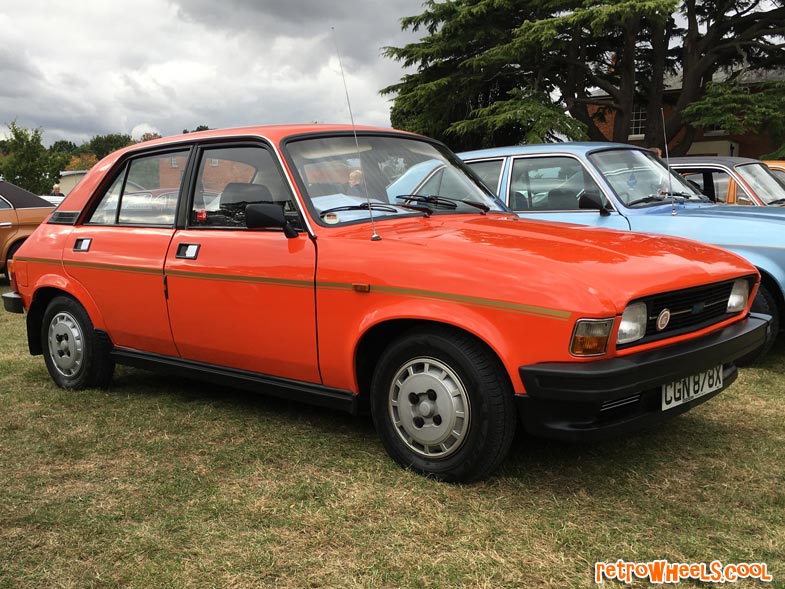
x: 638, y: 122
x: 213, y: 162
x: 175, y: 163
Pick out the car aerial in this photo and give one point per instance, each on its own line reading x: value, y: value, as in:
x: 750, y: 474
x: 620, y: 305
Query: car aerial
x: 415, y: 294
x: 732, y: 180
x: 20, y: 213
x: 624, y: 187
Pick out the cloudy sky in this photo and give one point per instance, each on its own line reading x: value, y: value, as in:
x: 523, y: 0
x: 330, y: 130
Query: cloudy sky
x: 87, y: 67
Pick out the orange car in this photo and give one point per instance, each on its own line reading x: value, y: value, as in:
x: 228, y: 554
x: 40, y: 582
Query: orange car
x: 415, y: 293
x: 777, y: 168
x: 20, y: 213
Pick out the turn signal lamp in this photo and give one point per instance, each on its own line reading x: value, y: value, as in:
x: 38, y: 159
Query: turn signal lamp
x: 590, y: 337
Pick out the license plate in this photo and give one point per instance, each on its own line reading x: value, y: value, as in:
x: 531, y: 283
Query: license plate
x: 688, y: 388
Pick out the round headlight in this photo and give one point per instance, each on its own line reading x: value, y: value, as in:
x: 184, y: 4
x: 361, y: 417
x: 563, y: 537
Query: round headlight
x: 633, y: 323
x: 737, y: 301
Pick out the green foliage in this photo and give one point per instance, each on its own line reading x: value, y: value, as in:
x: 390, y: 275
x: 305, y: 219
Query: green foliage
x: 199, y: 128
x: 62, y: 146
x: 490, y: 72
x: 103, y: 145
x: 740, y: 109
x: 28, y: 163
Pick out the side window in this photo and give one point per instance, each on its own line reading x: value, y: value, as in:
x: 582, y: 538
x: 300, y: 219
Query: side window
x: 229, y: 179
x: 4, y: 204
x: 144, y: 192
x: 489, y: 172
x: 550, y: 184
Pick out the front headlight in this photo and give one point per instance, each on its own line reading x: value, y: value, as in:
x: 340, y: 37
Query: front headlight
x: 590, y: 337
x: 633, y: 323
x: 737, y: 301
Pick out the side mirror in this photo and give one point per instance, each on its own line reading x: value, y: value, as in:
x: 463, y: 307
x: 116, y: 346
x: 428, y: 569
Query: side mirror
x: 266, y: 216
x: 592, y: 200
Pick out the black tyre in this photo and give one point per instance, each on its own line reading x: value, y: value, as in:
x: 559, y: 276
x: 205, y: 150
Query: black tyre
x: 10, y: 254
x: 764, y: 303
x: 443, y: 405
x: 74, y: 356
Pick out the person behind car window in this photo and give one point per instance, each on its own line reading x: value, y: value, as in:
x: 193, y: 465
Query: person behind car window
x: 56, y: 191
x: 356, y: 186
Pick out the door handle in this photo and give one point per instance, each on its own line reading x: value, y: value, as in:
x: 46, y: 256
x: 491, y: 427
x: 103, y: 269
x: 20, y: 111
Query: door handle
x: 187, y: 251
x: 8, y: 224
x: 82, y: 244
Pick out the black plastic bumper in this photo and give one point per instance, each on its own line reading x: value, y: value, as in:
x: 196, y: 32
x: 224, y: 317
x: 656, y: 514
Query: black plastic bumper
x: 591, y: 400
x: 12, y: 302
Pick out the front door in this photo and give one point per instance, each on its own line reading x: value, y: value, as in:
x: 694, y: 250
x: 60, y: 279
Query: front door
x: 242, y: 298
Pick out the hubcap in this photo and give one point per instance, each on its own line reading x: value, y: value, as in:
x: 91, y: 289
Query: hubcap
x: 429, y: 407
x: 66, y: 344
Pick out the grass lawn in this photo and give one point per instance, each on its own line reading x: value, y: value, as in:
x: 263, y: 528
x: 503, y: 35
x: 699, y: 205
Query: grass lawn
x: 160, y: 482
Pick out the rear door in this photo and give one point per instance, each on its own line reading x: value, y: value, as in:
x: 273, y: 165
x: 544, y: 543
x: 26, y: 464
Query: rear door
x: 118, y: 251
x: 241, y: 298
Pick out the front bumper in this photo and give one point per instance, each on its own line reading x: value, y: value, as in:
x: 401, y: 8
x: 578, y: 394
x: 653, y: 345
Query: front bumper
x: 12, y: 302
x: 577, y: 401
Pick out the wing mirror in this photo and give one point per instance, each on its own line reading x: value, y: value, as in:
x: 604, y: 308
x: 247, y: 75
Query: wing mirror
x: 266, y: 216
x: 592, y: 200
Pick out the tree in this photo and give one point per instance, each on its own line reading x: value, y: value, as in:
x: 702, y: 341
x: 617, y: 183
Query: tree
x: 28, y: 163
x: 81, y: 161
x: 63, y: 146
x: 491, y: 71
x: 103, y: 145
x: 742, y: 108
x: 199, y: 128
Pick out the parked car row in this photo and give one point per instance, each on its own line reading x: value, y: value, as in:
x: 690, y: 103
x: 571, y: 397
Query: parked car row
x: 417, y: 295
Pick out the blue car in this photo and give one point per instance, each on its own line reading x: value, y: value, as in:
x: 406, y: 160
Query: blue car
x: 623, y: 187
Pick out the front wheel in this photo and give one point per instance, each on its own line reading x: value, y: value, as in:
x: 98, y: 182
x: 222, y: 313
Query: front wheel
x: 443, y: 405
x: 75, y: 357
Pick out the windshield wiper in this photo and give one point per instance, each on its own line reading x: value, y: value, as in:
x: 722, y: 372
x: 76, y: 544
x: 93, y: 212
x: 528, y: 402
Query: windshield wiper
x: 680, y: 197
x: 443, y: 201
x: 365, y: 206
x: 377, y: 206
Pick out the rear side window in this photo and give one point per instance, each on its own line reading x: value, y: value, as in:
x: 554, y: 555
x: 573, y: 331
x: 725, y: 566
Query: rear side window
x: 4, y: 204
x: 144, y: 192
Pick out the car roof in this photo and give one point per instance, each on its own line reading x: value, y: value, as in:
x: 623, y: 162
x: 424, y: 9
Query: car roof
x: 274, y: 133
x: 580, y: 147
x: 21, y: 198
x: 713, y: 159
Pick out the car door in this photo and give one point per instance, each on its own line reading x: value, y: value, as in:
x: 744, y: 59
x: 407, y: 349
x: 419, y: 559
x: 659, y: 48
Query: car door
x: 117, y: 253
x: 549, y: 188
x: 242, y: 298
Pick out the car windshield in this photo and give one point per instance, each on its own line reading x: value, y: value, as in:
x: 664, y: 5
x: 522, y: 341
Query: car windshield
x: 639, y: 179
x: 345, y: 180
x: 763, y: 183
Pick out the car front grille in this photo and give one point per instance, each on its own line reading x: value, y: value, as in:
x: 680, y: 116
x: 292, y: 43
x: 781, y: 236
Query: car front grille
x: 690, y: 309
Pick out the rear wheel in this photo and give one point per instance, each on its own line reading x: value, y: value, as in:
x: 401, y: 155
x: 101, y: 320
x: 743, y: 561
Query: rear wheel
x: 75, y: 357
x: 10, y: 254
x: 443, y: 405
x: 764, y: 303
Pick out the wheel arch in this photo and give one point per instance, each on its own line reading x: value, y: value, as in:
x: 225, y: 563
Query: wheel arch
x: 775, y: 290
x: 376, y: 339
x: 42, y: 296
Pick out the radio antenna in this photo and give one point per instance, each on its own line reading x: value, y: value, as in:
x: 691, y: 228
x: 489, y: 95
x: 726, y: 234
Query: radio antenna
x: 374, y: 236
x: 667, y: 161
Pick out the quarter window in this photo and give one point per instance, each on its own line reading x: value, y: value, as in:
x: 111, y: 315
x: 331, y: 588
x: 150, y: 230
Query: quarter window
x: 488, y: 171
x: 145, y: 192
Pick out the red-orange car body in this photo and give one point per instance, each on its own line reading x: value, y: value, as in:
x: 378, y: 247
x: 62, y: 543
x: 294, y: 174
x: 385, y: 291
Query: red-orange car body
x: 311, y: 310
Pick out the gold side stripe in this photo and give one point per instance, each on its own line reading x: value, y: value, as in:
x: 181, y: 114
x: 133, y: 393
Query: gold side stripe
x: 235, y: 278
x: 37, y: 260
x: 113, y: 267
x: 478, y: 302
x: 543, y: 312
